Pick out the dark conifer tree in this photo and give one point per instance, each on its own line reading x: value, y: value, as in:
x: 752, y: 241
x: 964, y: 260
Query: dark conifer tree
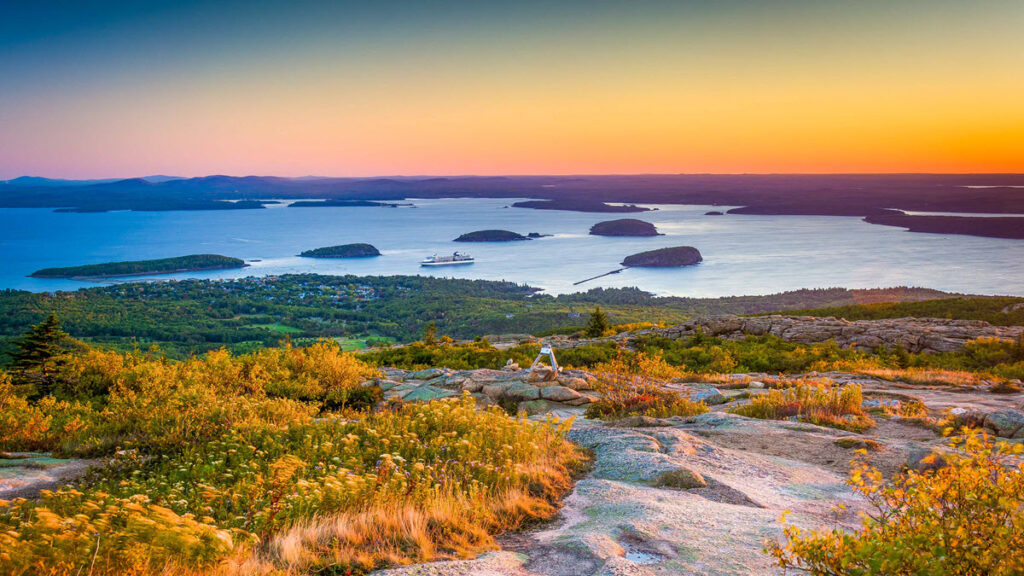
x: 37, y: 352
x: 598, y: 324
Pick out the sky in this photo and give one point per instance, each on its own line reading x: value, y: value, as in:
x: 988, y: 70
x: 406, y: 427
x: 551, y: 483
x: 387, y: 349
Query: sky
x: 122, y: 89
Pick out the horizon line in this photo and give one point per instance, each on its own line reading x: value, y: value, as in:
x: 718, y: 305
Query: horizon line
x: 512, y: 175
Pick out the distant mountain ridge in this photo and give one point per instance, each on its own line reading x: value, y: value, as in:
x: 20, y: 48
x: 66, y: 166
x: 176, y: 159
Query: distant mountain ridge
x: 800, y: 194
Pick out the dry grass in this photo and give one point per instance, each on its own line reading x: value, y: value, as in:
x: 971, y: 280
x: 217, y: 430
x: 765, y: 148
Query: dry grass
x: 928, y: 376
x: 395, y: 535
x: 822, y: 404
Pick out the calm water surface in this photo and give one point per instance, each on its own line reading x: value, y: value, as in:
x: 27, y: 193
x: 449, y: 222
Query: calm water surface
x: 742, y: 254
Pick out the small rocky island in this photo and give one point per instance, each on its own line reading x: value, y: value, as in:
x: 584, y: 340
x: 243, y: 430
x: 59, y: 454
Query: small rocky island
x: 491, y: 236
x: 664, y: 258
x: 714, y: 213
x: 624, y: 227
x: 191, y: 263
x: 343, y: 251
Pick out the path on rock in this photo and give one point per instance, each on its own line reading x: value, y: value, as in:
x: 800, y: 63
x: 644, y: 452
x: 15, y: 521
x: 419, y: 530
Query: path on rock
x: 619, y: 520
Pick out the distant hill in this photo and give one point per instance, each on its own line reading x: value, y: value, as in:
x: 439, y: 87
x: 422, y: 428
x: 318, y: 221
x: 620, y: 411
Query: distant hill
x: 858, y: 195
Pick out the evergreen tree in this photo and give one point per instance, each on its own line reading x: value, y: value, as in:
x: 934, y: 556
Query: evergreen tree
x: 36, y: 353
x: 430, y: 334
x: 597, y: 325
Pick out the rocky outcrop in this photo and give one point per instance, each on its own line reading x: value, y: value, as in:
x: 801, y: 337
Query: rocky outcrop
x: 532, y: 392
x: 930, y: 335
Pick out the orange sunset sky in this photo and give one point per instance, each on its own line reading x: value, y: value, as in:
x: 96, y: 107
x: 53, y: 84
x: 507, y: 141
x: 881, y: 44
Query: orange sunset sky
x: 334, y: 89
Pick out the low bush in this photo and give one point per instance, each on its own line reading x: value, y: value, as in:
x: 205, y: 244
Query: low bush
x: 822, y: 404
x: 963, y: 518
x: 632, y: 386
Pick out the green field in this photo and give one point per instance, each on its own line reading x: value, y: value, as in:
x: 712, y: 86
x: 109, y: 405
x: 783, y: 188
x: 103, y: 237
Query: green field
x: 278, y: 327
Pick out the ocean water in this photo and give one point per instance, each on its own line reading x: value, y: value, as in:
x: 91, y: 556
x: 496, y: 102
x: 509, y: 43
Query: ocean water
x: 742, y: 254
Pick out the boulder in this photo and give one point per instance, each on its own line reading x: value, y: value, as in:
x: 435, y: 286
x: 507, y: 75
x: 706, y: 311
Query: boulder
x: 682, y: 478
x: 578, y: 384
x: 521, y: 391
x: 710, y: 397
x: 1006, y: 423
x: 559, y: 393
x: 428, y: 374
x: 427, y: 393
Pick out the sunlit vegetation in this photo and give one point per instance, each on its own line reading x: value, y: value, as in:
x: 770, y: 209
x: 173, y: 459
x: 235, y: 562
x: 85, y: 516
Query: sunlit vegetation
x: 702, y: 358
x: 195, y: 316
x: 634, y: 385
x: 821, y: 403
x: 964, y: 517
x: 266, y: 462
x: 421, y: 482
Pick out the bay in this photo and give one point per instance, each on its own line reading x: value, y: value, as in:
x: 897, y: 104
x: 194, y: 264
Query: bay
x: 743, y: 254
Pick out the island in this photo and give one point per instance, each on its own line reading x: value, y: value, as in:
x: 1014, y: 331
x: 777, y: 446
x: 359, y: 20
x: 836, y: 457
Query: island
x: 537, y: 234
x: 335, y: 203
x: 491, y: 236
x: 986, y: 226
x: 578, y: 205
x: 191, y: 263
x: 714, y: 213
x: 358, y: 250
x: 624, y: 227
x: 664, y: 258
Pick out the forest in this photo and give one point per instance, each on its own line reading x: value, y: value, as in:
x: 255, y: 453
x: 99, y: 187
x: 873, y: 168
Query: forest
x: 185, y: 317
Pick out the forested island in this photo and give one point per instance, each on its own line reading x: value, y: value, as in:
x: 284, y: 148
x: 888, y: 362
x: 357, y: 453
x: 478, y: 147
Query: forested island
x: 624, y: 227
x: 578, y: 205
x: 664, y: 258
x: 191, y: 263
x: 358, y: 250
x: 491, y: 236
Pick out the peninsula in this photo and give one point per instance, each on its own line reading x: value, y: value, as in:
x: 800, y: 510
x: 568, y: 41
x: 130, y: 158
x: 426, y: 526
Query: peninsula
x: 987, y: 226
x: 578, y: 205
x: 343, y: 251
x: 191, y: 263
x: 336, y: 203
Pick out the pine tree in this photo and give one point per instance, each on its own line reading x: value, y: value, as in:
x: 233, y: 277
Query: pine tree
x: 597, y: 325
x: 36, y: 352
x: 430, y: 334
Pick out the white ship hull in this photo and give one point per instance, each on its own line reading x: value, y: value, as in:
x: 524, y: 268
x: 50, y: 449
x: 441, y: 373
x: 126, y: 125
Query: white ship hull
x: 452, y: 263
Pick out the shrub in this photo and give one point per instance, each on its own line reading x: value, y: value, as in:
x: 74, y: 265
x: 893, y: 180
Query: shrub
x: 628, y: 388
x: 822, y: 404
x: 965, y: 518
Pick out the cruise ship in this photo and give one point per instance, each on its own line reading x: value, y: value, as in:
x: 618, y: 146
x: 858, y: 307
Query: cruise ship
x: 456, y: 258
